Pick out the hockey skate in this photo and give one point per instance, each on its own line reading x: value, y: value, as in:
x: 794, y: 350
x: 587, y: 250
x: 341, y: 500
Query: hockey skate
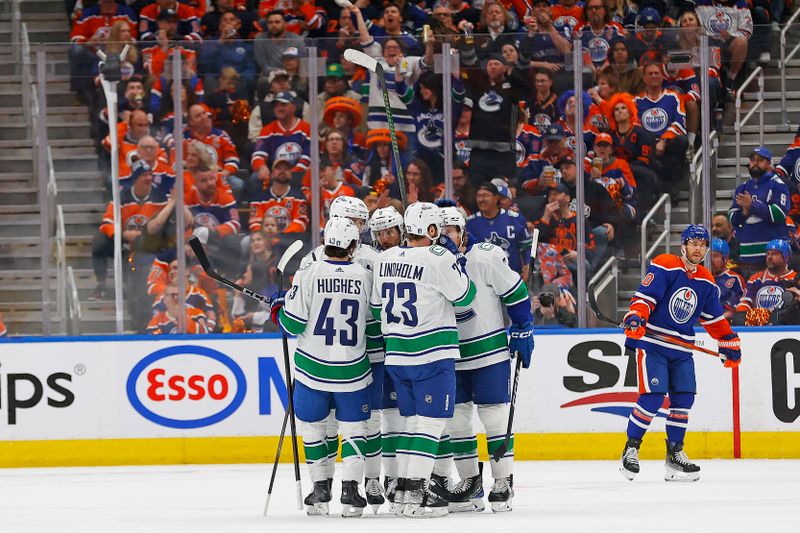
x: 678, y: 466
x: 374, y: 493
x: 353, y: 503
x: 501, y: 495
x: 467, y: 495
x: 630, y: 459
x: 395, y: 493
x: 317, y: 501
x: 421, y: 501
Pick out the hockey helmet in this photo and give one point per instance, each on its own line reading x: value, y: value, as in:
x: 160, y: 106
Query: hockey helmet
x: 720, y: 246
x: 695, y: 231
x: 454, y: 216
x: 781, y: 246
x: 385, y: 218
x: 340, y: 232
x: 349, y: 207
x: 420, y: 215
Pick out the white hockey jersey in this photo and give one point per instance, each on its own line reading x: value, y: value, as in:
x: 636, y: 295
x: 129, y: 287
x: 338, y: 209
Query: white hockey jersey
x: 327, y: 308
x: 413, y: 295
x: 481, y: 328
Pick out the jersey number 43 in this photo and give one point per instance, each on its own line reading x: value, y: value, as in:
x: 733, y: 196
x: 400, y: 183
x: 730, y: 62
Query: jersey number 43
x: 400, y: 298
x: 326, y: 324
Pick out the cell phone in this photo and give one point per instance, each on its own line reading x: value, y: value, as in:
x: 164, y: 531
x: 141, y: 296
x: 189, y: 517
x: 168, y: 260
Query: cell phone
x: 679, y: 60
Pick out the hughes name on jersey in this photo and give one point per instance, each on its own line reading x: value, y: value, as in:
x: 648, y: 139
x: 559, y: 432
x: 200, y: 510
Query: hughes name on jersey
x: 327, y: 308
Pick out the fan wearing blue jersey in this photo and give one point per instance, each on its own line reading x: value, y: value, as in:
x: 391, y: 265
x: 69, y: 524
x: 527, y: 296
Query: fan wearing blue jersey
x: 729, y: 283
x: 674, y: 295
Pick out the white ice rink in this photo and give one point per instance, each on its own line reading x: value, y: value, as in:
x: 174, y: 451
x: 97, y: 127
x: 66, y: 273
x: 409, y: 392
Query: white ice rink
x: 559, y: 497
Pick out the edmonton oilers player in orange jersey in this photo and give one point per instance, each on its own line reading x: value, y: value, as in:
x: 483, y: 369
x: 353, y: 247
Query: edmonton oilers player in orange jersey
x: 673, y: 296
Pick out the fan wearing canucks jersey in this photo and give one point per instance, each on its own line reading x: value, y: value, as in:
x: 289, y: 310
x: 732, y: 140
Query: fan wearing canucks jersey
x: 327, y: 308
x: 483, y: 372
x: 356, y: 211
x: 673, y: 296
x: 416, y: 289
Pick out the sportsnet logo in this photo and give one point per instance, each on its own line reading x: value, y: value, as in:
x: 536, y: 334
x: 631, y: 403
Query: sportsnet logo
x: 770, y: 297
x: 682, y: 305
x: 655, y: 120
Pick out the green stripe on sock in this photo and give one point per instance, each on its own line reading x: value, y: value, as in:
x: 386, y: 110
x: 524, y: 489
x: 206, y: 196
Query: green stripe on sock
x: 494, y: 444
x: 333, y: 446
x: 315, y: 452
x: 389, y: 444
x: 465, y: 447
x: 421, y: 444
x: 372, y: 446
x: 349, y: 451
x: 445, y: 447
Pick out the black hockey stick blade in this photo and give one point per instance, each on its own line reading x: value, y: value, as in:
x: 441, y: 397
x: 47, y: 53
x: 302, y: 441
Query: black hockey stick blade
x: 503, y: 449
x: 200, y: 253
x: 596, y: 308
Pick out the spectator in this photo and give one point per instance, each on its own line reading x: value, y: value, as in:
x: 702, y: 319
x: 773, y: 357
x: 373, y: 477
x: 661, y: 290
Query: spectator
x: 228, y: 48
x: 150, y: 152
x: 166, y: 312
x: 560, y: 305
x: 722, y: 229
x: 119, y: 37
x: 280, y: 201
x: 196, y: 296
x: 540, y: 173
x: 606, y: 88
x: 260, y: 276
x: 211, y: 20
x: 789, y: 171
x: 380, y: 163
x: 88, y: 33
x: 729, y: 283
x: 461, y: 11
x: 543, y: 46
x: 689, y: 40
x: 133, y: 98
x: 343, y: 114
x: 765, y: 288
x: 542, y: 104
x: 529, y: 140
x: 463, y: 190
x: 287, y: 137
x: 616, y: 176
x: 506, y: 229
x: 391, y: 27
x: 331, y: 188
x: 345, y: 166
x: 633, y: 144
x: 598, y: 32
x: 270, y: 45
x: 165, y: 111
x: 129, y: 133
x: 734, y: 33
x: 758, y: 212
x: 649, y: 44
x: 263, y: 112
x: 492, y: 98
x: 188, y: 23
x: 569, y: 122
x: 419, y: 182
x: 298, y: 80
x: 496, y: 27
x: 684, y: 82
x: 558, y: 228
x: 662, y: 113
x: 337, y: 86
x: 304, y: 18
x: 622, y: 67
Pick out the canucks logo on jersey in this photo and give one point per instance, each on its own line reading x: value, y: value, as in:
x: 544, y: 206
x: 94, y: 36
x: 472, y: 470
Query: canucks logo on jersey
x: 682, y: 305
x: 490, y: 102
x: 769, y: 297
x: 655, y: 119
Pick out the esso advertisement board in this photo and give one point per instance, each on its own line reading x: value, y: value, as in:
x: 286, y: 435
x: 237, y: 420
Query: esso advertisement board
x: 212, y: 386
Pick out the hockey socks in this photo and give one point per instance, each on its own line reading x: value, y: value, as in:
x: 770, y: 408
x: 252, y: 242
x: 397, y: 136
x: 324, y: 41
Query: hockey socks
x: 463, y: 441
x: 643, y: 412
x: 372, y: 447
x: 678, y: 418
x: 315, y: 444
x: 392, y: 425
x: 418, y: 448
x: 495, y: 421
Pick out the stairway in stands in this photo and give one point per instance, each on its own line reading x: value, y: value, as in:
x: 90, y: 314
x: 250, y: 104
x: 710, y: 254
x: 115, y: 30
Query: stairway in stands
x: 80, y: 185
x: 777, y: 138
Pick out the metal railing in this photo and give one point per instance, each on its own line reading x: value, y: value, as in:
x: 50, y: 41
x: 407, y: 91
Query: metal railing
x: 758, y: 73
x: 16, y: 28
x: 74, y: 303
x: 647, y: 253
x: 696, y: 175
x: 782, y: 65
x: 25, y: 62
x: 605, y: 277
x: 61, y: 270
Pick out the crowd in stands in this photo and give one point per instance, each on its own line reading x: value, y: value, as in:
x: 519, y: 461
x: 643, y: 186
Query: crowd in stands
x: 247, y: 125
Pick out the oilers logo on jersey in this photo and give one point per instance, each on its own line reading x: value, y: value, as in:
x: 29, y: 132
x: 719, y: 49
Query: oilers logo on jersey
x: 137, y: 222
x: 289, y: 151
x: 490, y: 102
x: 205, y: 220
x: 721, y: 21
x: 655, y: 119
x: 565, y: 21
x: 281, y: 214
x: 541, y: 120
x: 599, y: 122
x: 769, y: 297
x: 682, y: 305
x: 598, y: 49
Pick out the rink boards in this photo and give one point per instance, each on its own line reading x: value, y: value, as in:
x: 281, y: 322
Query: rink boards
x: 220, y: 399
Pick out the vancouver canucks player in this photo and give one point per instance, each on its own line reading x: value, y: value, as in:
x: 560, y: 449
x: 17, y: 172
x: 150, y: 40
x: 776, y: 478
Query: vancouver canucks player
x: 674, y: 295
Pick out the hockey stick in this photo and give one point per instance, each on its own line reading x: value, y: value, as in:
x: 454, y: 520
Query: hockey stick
x: 652, y: 334
x: 200, y: 253
x: 503, y: 449
x: 369, y: 63
x: 275, y: 464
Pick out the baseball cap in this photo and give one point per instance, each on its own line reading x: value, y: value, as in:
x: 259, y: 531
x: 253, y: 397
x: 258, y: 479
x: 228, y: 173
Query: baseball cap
x: 566, y: 160
x: 560, y: 187
x: 284, y: 96
x: 503, y: 190
x: 281, y: 159
x: 489, y: 186
x: 334, y: 70
x: 554, y: 132
x: 603, y: 138
x: 762, y: 151
x: 275, y: 73
x: 167, y: 14
x: 649, y: 15
x: 138, y: 168
x: 291, y: 52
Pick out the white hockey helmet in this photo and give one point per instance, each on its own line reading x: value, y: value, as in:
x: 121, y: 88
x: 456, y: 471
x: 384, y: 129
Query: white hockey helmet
x: 385, y: 218
x: 340, y: 232
x: 454, y: 216
x: 349, y: 207
x: 420, y: 215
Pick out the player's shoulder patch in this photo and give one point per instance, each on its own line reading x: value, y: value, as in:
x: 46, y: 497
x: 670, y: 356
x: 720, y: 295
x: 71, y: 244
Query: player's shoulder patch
x: 512, y: 213
x: 437, y: 250
x: 485, y: 246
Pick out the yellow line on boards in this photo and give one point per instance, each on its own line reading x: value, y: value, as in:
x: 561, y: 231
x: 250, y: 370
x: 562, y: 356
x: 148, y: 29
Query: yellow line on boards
x: 528, y: 446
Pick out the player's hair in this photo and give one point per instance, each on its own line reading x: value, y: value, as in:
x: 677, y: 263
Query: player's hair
x: 341, y: 253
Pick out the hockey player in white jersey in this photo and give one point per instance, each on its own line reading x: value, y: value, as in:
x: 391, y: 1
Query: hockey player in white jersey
x: 416, y: 289
x: 356, y: 210
x: 483, y: 372
x: 386, y: 227
x: 327, y: 308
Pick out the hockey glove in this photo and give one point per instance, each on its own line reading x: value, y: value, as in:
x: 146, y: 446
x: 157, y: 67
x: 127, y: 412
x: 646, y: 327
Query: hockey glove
x: 730, y: 350
x: 448, y: 243
x: 276, y: 302
x: 521, y: 343
x: 634, y: 325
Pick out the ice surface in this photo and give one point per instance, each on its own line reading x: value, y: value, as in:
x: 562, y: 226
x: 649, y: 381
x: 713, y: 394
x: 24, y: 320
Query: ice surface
x: 553, y: 496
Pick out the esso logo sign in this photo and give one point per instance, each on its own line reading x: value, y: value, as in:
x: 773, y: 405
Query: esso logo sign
x: 186, y: 387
